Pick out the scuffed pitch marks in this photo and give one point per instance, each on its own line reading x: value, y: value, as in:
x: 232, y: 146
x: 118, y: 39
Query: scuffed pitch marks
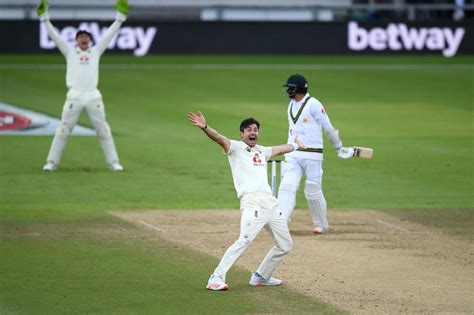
x: 385, y: 261
x: 361, y: 266
x: 389, y: 246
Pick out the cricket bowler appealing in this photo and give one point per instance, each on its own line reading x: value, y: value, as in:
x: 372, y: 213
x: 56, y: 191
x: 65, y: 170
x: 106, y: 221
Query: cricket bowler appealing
x: 248, y: 163
x: 82, y: 78
x: 307, y: 118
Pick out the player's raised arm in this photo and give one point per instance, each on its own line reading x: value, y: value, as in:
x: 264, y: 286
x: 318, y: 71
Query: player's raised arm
x: 199, y: 121
x: 287, y: 148
x: 122, y: 12
x: 42, y: 11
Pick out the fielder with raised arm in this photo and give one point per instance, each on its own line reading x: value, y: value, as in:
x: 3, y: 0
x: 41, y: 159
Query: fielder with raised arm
x: 82, y: 78
x: 248, y: 162
x: 307, y: 118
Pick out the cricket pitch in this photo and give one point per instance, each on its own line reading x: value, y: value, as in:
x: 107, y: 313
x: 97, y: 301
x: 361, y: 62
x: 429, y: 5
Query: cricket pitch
x: 370, y: 262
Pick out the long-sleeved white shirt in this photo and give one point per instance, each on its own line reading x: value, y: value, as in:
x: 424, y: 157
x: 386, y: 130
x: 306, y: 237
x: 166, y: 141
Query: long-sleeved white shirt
x: 82, y: 72
x: 307, y: 118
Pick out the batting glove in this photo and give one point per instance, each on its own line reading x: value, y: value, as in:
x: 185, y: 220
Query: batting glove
x: 122, y: 6
x: 42, y: 7
x: 345, y: 153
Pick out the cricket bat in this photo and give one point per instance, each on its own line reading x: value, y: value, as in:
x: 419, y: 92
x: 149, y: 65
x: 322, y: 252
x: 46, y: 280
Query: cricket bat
x: 364, y: 153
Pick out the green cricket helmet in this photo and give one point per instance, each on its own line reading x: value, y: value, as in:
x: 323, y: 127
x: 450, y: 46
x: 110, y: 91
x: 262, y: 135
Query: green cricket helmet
x: 296, y: 83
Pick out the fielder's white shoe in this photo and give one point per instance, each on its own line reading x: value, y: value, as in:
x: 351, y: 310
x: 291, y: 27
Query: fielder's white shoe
x: 216, y: 283
x: 116, y: 167
x: 50, y: 167
x: 320, y: 230
x: 257, y: 280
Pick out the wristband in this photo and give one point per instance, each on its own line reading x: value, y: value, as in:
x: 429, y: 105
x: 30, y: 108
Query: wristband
x: 295, y: 146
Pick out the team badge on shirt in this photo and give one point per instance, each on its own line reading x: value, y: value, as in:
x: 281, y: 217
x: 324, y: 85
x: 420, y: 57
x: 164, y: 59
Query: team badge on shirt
x: 305, y: 120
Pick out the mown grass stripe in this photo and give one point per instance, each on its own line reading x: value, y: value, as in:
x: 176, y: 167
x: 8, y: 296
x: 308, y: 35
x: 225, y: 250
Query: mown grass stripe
x: 248, y: 66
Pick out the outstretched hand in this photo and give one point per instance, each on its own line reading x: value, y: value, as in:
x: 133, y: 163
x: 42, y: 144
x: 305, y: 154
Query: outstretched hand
x: 42, y: 7
x: 122, y: 6
x: 197, y: 120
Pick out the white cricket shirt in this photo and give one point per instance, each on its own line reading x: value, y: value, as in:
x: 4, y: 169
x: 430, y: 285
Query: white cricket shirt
x: 305, y: 119
x: 82, y: 72
x: 249, y: 167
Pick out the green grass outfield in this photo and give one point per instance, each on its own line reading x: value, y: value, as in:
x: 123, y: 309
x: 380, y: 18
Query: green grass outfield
x: 60, y: 252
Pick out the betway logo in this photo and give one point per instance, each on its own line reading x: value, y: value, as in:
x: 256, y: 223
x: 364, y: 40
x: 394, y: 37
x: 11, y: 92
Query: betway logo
x: 399, y: 36
x: 134, y: 38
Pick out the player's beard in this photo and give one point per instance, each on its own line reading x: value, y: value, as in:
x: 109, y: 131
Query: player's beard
x: 290, y: 93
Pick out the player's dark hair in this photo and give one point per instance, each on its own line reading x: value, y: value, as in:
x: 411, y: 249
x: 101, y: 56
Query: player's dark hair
x: 247, y: 122
x: 83, y: 32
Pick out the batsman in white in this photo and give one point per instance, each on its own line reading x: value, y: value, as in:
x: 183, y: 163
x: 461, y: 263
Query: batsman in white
x: 82, y: 78
x: 307, y: 118
x: 257, y: 205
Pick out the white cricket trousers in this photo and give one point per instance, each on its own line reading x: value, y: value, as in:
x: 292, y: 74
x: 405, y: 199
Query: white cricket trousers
x: 76, y: 102
x: 259, y: 210
x: 293, y: 171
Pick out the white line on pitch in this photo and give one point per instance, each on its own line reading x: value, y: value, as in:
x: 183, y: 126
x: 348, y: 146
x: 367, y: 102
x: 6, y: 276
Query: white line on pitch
x: 249, y: 66
x: 393, y: 226
x: 152, y: 226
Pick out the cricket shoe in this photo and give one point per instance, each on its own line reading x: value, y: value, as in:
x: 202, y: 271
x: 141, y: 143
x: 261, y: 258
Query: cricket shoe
x: 216, y: 283
x: 320, y: 230
x: 116, y: 167
x: 257, y: 280
x: 50, y: 167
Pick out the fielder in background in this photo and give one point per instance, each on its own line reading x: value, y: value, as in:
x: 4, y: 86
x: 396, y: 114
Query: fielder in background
x: 82, y: 78
x: 307, y: 118
x: 257, y: 205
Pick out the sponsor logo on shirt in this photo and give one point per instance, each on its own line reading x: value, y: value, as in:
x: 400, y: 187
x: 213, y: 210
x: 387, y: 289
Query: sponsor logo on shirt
x: 84, y: 60
x: 257, y: 161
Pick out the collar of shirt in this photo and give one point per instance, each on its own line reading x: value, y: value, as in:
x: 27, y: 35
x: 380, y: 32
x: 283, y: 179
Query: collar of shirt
x: 79, y: 50
x: 244, y: 146
x: 297, y: 104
